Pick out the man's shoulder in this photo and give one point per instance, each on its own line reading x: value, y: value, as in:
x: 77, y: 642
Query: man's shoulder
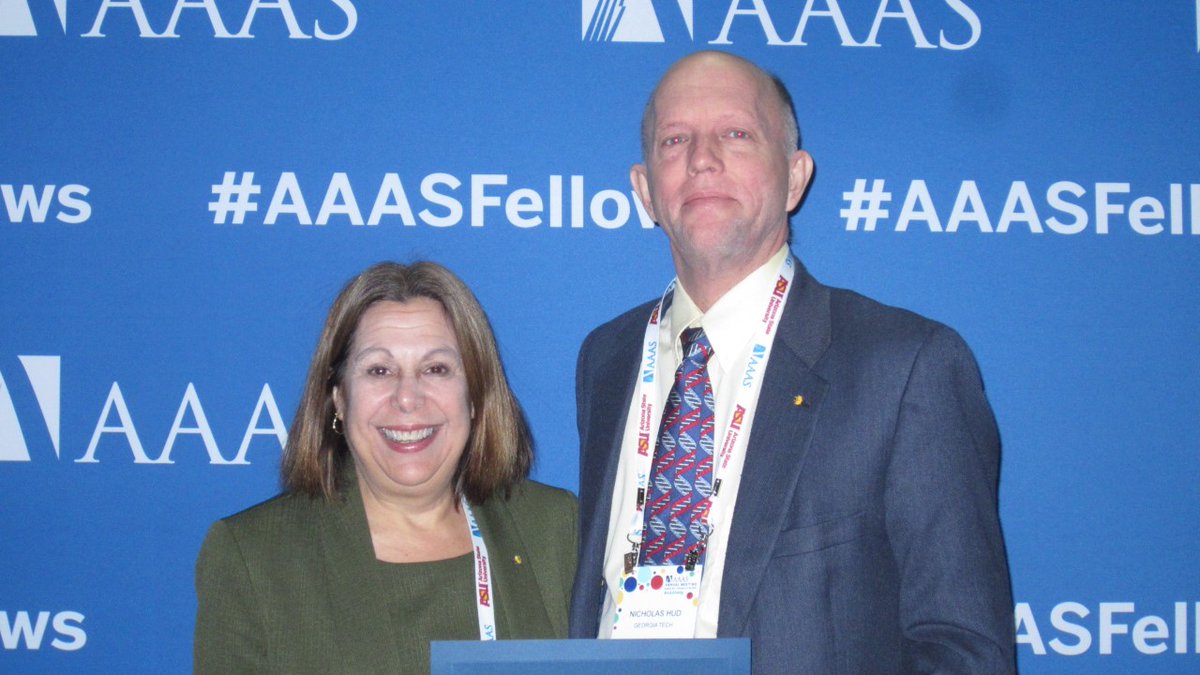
x: 856, y: 319
x: 634, y: 318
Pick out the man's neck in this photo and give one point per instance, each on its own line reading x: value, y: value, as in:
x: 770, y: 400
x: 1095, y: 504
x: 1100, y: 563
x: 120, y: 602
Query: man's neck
x: 708, y: 284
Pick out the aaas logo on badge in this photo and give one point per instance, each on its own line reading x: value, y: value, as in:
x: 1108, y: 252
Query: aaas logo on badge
x: 627, y: 20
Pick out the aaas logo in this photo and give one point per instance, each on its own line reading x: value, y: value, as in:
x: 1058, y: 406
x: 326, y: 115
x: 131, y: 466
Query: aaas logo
x: 44, y: 375
x: 16, y: 19
x: 957, y: 25
x: 627, y: 20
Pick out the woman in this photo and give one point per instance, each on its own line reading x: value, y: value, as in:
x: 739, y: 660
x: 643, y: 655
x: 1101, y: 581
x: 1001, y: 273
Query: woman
x: 407, y: 434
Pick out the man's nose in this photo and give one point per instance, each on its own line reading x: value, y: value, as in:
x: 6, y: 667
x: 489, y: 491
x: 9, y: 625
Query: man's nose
x: 704, y: 154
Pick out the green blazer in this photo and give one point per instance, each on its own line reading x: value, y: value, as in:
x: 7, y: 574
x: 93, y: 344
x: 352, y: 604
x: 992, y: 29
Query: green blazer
x: 292, y: 585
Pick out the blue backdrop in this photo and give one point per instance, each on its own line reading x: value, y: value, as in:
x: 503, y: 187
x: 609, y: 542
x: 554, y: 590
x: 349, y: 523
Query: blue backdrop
x: 186, y: 184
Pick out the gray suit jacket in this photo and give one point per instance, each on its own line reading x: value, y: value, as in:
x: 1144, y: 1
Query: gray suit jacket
x: 292, y: 585
x: 865, y: 537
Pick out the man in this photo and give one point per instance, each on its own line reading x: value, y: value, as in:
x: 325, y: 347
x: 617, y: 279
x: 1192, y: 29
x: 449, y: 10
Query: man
x: 841, y: 510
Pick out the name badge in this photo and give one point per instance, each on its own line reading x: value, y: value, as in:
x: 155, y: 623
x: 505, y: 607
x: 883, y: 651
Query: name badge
x: 657, y: 601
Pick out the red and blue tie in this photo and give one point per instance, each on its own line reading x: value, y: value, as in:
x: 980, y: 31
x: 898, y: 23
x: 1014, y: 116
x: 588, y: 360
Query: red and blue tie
x: 681, y: 477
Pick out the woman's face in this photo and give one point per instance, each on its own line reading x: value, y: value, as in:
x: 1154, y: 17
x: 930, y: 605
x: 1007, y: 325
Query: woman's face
x: 404, y: 400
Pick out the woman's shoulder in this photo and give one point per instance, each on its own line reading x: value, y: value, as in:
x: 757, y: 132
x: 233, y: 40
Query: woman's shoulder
x: 278, y: 515
x: 532, y: 496
x: 539, y: 506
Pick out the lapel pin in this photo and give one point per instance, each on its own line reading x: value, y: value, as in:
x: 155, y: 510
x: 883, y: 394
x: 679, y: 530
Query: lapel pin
x: 798, y: 400
x: 517, y: 559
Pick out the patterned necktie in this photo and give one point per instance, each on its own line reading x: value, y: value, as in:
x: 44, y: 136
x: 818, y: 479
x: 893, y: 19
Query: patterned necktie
x: 681, y: 478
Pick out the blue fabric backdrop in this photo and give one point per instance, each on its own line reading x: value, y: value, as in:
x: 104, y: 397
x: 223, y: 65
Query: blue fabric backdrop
x: 186, y: 184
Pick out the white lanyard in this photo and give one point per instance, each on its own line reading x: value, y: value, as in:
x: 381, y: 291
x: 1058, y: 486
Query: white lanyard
x: 745, y: 401
x: 485, y: 599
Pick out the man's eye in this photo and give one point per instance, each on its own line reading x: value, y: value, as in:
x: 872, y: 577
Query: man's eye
x: 739, y: 134
x: 672, y: 140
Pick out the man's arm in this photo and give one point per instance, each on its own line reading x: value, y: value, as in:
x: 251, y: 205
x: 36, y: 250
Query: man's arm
x: 942, y: 520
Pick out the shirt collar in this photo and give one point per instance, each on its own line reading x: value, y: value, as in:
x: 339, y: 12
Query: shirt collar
x: 732, y: 321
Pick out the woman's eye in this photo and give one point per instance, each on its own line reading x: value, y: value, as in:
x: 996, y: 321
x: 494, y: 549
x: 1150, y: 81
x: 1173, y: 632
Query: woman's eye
x: 378, y: 371
x: 438, y: 369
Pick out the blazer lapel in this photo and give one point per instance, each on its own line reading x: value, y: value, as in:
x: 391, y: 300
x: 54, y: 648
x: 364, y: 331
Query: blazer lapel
x: 778, y: 444
x: 517, y: 596
x: 357, y: 592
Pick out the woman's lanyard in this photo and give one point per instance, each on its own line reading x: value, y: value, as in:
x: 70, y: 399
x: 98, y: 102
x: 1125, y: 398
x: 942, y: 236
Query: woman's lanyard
x: 745, y: 400
x: 484, y: 602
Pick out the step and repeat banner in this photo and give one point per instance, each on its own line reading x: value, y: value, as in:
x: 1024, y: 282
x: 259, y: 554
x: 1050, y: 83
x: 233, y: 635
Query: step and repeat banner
x: 187, y: 183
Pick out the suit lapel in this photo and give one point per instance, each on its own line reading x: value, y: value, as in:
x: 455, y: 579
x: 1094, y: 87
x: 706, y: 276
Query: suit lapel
x: 605, y: 409
x: 778, y: 444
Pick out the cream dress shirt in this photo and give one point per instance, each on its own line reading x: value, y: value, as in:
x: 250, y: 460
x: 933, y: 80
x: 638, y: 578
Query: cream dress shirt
x: 730, y: 324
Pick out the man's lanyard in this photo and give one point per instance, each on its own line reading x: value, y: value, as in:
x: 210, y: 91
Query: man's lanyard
x: 745, y: 401
x: 484, y: 602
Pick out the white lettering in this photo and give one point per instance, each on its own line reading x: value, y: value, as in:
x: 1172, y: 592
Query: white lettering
x: 391, y: 200
x: 521, y: 201
x: 202, y: 429
x: 351, y: 13
x: 1054, y: 196
x: 22, y: 630
x: 1018, y: 195
x: 918, y: 195
x: 1150, y: 628
x: 759, y: 10
x: 134, y: 6
x: 27, y: 202
x: 339, y: 199
x: 597, y: 209
x: 214, y: 18
x: 1108, y: 628
x: 453, y: 206
x: 265, y: 401
x: 288, y: 198
x: 968, y: 195
x: 116, y: 400
x: 972, y: 20
x: 285, y: 10
x: 71, y: 197
x: 479, y: 199
x: 1103, y: 207
x: 833, y: 11
x: 1144, y: 208
x: 1023, y: 617
x: 1059, y: 621
x: 67, y: 625
x: 906, y: 13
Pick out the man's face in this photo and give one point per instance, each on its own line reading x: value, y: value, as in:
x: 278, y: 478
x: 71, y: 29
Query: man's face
x: 719, y: 178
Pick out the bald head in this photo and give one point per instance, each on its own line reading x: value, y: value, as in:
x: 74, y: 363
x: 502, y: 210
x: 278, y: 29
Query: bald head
x: 770, y: 86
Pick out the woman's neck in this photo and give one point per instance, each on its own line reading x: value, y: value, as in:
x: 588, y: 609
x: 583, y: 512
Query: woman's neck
x: 418, y: 528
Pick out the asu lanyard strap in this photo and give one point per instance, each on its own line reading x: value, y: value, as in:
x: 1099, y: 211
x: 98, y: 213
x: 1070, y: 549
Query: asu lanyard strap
x: 484, y: 602
x: 650, y: 404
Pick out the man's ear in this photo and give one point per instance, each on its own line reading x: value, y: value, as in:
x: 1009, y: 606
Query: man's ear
x: 641, y: 185
x: 800, y: 170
